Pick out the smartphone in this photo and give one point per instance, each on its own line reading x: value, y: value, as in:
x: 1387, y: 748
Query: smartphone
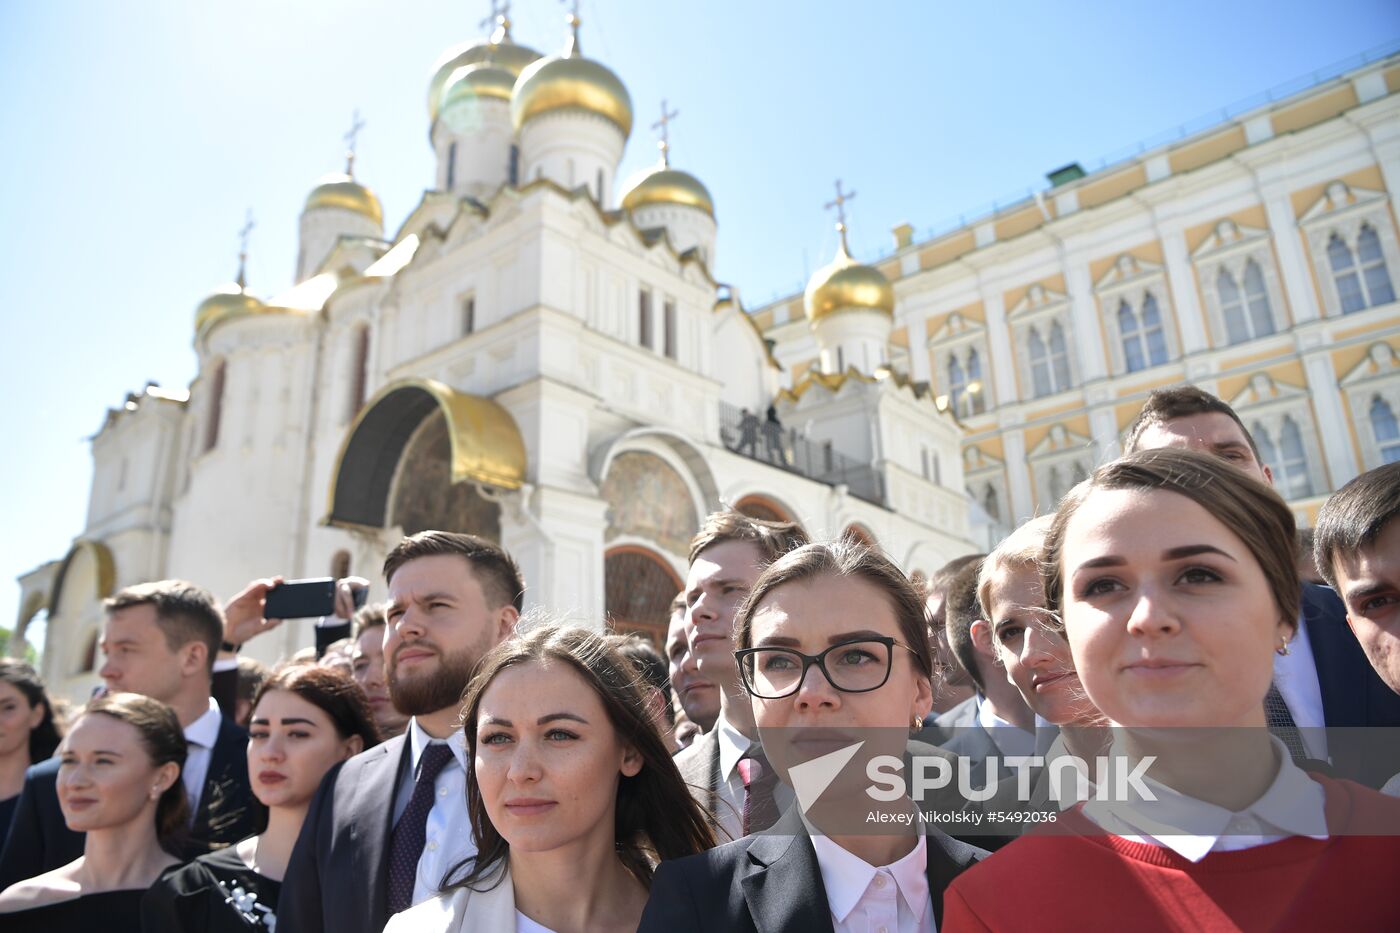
x: 301, y: 599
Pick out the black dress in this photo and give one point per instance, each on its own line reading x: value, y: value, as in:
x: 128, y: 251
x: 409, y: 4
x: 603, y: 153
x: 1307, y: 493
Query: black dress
x: 216, y: 893
x: 7, y: 814
x: 109, y: 912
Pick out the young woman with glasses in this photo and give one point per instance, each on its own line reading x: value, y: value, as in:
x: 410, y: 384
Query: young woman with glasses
x: 1174, y: 578
x: 834, y: 653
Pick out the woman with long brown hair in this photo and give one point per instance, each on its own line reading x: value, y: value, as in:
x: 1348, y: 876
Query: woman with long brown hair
x: 29, y: 732
x: 573, y: 797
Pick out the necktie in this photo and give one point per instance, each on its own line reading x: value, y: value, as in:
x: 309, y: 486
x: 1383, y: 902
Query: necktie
x: 760, y: 780
x: 1281, y: 723
x: 406, y: 845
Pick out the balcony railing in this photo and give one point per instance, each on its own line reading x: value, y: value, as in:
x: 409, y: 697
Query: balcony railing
x: 787, y: 449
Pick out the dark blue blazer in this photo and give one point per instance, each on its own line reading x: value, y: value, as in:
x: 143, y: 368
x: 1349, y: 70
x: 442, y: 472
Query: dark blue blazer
x: 40, y: 841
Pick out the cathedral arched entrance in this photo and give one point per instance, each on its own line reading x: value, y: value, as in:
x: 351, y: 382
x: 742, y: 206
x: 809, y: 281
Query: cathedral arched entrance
x: 417, y: 457
x: 763, y: 507
x: 639, y: 585
x: 86, y: 577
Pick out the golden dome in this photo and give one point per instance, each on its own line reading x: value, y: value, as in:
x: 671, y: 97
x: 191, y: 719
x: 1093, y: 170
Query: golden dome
x: 230, y: 300
x: 847, y: 284
x: 499, y: 49
x: 661, y: 184
x: 346, y: 193
x: 569, y: 82
x: 482, y: 79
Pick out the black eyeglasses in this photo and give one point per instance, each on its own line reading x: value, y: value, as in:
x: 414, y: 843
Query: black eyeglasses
x: 856, y: 666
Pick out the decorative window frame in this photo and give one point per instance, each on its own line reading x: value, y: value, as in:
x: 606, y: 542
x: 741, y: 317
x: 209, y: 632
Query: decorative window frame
x: 1231, y: 246
x: 1038, y: 310
x: 1343, y: 210
x: 1377, y: 374
x: 1131, y: 279
x: 955, y: 339
x: 981, y: 472
x: 1063, y: 448
x: 1266, y: 401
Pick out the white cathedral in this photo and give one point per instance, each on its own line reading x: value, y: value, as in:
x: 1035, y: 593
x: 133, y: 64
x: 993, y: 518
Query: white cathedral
x: 538, y: 354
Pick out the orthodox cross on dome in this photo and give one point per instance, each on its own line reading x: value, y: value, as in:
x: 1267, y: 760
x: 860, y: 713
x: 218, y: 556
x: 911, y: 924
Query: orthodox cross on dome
x: 356, y: 124
x: 243, y: 248
x: 664, y: 126
x: 840, y: 205
x: 573, y: 47
x: 500, y: 16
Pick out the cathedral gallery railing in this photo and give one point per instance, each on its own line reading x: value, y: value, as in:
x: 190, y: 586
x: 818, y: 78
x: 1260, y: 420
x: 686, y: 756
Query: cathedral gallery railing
x: 754, y: 435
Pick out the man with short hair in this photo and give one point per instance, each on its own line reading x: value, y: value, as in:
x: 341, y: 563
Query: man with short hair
x: 386, y: 826
x: 1324, y: 678
x: 651, y: 668
x: 954, y: 694
x: 159, y: 640
x: 726, y: 558
x: 1002, y: 725
x: 698, y: 697
x: 367, y: 667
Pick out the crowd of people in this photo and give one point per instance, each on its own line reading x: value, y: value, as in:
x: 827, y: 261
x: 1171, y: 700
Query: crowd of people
x: 444, y: 761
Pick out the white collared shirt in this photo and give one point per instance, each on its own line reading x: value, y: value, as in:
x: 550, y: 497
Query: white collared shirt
x: 730, y: 806
x: 1295, y: 675
x: 447, y: 839
x: 200, y: 737
x: 865, y: 899
x: 1009, y: 739
x: 1293, y: 805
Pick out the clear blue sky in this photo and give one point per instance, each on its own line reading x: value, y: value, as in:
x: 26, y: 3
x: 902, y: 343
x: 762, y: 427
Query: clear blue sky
x: 134, y: 135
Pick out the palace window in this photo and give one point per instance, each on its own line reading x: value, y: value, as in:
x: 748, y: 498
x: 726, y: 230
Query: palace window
x: 991, y: 504
x: 668, y: 328
x: 468, y: 315
x: 1144, y: 340
x: 1285, y: 457
x: 1049, y: 361
x: 1247, y: 314
x: 1361, y: 277
x: 644, y: 323
x: 1386, y: 429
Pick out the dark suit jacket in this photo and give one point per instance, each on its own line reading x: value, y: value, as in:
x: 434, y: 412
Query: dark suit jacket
x: 770, y: 884
x: 338, y: 878
x: 40, y: 840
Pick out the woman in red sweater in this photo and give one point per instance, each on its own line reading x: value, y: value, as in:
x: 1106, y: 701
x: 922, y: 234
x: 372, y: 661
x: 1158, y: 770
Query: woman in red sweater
x: 1174, y: 579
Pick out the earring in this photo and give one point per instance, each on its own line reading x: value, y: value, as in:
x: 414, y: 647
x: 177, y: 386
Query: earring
x: 918, y: 723
x: 1282, y: 649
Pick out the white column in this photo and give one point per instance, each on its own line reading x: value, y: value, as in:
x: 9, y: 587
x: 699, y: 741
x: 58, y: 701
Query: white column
x: 1185, y: 298
x: 918, y: 349
x: 1088, y: 335
x: 556, y: 537
x: 1018, y: 474
x: 1293, y: 259
x: 1331, y: 417
x: 1003, y: 361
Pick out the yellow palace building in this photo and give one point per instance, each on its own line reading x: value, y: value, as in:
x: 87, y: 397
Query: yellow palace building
x: 1256, y: 258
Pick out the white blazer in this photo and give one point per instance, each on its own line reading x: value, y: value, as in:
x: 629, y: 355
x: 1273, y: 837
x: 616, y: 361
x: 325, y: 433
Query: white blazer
x: 461, y: 911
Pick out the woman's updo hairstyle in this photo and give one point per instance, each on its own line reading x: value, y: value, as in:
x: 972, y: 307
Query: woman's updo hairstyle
x: 1251, y: 510
x: 164, y: 741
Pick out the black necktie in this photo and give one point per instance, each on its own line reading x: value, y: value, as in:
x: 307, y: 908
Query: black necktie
x: 1281, y: 723
x: 406, y: 845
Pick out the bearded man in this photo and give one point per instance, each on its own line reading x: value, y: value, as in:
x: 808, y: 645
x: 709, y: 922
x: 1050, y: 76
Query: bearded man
x: 388, y: 824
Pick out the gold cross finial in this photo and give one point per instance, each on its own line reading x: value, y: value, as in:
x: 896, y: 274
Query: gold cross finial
x: 840, y: 204
x: 243, y: 248
x: 573, y: 47
x: 356, y: 124
x: 664, y: 125
x: 500, y: 15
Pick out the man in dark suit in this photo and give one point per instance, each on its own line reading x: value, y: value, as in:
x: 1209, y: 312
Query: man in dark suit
x: 159, y: 639
x: 386, y: 826
x: 773, y: 882
x: 726, y: 558
x: 1324, y: 679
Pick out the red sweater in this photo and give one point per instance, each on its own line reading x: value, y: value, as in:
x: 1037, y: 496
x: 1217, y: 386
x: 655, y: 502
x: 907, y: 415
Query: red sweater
x: 1091, y: 882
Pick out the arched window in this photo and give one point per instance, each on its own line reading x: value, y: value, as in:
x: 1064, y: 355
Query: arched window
x: 1133, y: 357
x: 1231, y: 307
x: 1059, y: 357
x: 451, y: 165
x: 1293, y: 463
x: 1055, y: 484
x: 1040, y: 363
x: 1386, y: 430
x: 1373, y: 271
x: 1152, y: 332
x: 977, y: 401
x: 216, y: 407
x: 639, y: 586
x: 1344, y: 275
x: 957, y: 382
x: 1261, y: 316
x: 359, y: 376
x: 991, y: 503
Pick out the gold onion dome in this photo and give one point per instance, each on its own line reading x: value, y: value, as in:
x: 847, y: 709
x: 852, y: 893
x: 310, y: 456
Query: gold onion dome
x: 230, y: 300
x: 344, y: 192
x: 481, y: 79
x: 499, y: 50
x: 571, y: 82
x: 661, y: 184
x: 847, y: 285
